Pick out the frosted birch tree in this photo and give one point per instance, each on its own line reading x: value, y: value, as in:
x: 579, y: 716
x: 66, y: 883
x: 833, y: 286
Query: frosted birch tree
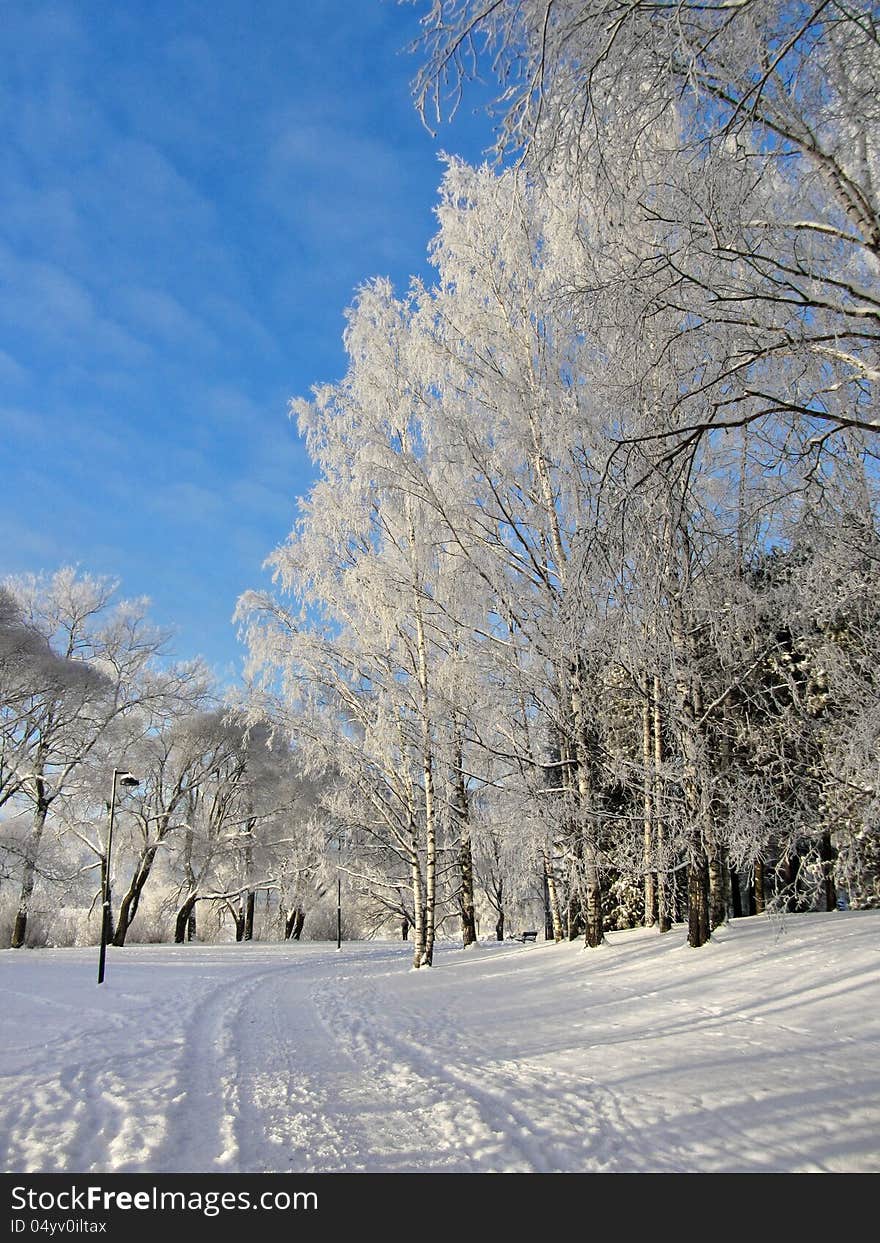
x: 776, y: 233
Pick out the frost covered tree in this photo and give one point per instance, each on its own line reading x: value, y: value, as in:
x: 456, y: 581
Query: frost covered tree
x: 750, y: 132
x: 239, y: 803
x: 530, y: 611
x: 95, y: 670
x: 362, y: 555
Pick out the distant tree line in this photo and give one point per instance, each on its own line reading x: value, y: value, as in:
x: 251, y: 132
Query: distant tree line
x: 222, y: 814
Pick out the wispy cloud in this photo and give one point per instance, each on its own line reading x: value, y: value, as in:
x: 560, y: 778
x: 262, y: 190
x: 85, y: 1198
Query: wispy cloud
x: 188, y: 503
x: 25, y: 426
x: 159, y: 315
x: 46, y: 306
x: 11, y: 372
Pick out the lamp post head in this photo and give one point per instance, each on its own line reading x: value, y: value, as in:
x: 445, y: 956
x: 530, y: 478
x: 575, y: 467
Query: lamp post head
x: 127, y: 779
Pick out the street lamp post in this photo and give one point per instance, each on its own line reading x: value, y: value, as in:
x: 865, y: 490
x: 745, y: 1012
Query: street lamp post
x: 126, y: 779
x: 339, y: 896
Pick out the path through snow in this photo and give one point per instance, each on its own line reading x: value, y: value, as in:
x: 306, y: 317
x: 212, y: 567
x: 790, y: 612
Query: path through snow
x: 759, y: 1052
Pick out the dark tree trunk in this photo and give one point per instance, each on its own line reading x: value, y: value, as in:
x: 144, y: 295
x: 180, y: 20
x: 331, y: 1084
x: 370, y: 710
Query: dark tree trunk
x: 467, y: 905
x: 759, y: 897
x: 698, y: 896
x: 131, y: 900
x: 664, y: 918
x: 185, y: 924
x: 595, y: 929
x: 548, y: 914
x: 127, y: 912
x: 250, y: 903
x: 293, y: 923
x: 792, y: 872
x: 575, y: 916
x: 828, y: 854
x: 648, y: 831
x: 19, y: 929
x: 404, y: 930
x: 664, y: 900
x: 735, y: 895
x: 185, y: 928
x: 497, y: 895
x: 718, y: 874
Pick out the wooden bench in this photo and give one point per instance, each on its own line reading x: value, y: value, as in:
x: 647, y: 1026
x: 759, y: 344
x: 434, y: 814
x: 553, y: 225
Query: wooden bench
x: 532, y: 935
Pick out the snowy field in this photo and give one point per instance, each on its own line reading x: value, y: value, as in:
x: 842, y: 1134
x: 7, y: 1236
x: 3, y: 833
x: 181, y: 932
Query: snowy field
x: 759, y: 1052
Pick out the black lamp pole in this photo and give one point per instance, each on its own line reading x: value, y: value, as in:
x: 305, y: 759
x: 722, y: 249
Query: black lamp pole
x: 126, y: 779
x: 339, y: 898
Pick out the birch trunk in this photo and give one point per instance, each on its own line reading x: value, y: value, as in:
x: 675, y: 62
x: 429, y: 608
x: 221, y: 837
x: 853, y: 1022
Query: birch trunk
x: 430, y: 855
x: 648, y: 811
x: 428, y: 787
x: 418, y: 900
x: 428, y: 903
x: 465, y: 853
x: 553, y: 898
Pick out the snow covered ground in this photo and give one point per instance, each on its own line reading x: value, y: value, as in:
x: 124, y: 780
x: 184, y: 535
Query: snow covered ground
x: 759, y: 1052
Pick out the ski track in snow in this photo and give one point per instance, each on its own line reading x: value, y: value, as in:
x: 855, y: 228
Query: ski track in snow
x: 481, y: 1123
x: 202, y: 1131
x: 759, y: 1054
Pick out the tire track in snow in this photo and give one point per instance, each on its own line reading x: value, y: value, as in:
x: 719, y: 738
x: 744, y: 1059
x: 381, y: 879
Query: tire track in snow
x: 318, y: 1101
x: 288, y: 1079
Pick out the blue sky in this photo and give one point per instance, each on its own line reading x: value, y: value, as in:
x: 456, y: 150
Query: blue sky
x: 191, y: 194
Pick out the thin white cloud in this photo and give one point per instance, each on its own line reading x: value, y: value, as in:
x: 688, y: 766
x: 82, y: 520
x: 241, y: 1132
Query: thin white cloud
x: 24, y: 425
x: 29, y: 548
x: 11, y: 371
x: 49, y: 304
x: 159, y: 315
x: 257, y: 501
x: 233, y: 320
x: 188, y: 504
